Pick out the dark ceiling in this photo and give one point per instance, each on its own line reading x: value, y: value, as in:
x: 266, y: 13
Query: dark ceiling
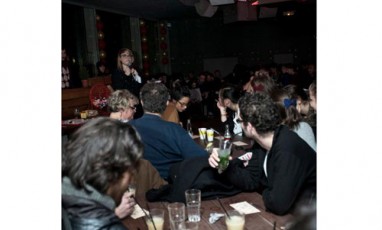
x: 178, y: 9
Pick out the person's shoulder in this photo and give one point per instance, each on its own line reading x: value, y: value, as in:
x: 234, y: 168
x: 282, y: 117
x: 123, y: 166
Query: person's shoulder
x: 304, y: 125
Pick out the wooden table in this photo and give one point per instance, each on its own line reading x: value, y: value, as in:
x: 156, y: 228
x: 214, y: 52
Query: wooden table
x: 261, y: 220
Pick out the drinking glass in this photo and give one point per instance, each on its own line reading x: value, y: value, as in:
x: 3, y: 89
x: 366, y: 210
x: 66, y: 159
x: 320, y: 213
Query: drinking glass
x: 235, y: 220
x: 210, y: 135
x: 155, y: 217
x: 176, y: 213
x: 189, y: 226
x: 224, y: 153
x: 202, y: 133
x: 193, y: 199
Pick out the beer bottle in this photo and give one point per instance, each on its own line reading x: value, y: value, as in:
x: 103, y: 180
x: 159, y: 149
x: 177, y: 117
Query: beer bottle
x: 227, y: 134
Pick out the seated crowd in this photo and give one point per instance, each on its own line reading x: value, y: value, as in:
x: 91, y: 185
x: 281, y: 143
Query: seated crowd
x: 105, y: 155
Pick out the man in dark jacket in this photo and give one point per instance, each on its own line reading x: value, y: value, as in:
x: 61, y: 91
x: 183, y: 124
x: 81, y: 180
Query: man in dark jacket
x: 284, y: 167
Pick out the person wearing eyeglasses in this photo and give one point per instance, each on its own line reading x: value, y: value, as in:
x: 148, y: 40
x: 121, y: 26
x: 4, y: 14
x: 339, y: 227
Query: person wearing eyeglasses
x: 180, y: 98
x: 281, y: 166
x: 125, y: 76
x: 122, y: 105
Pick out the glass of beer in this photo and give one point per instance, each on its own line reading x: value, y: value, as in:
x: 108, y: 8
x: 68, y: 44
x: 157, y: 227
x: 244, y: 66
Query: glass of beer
x: 155, y: 217
x: 235, y: 220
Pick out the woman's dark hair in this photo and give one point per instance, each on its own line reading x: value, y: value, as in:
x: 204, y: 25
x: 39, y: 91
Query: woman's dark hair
x: 154, y: 97
x: 230, y: 93
x: 259, y: 110
x: 287, y: 108
x: 100, y: 152
x: 179, y: 92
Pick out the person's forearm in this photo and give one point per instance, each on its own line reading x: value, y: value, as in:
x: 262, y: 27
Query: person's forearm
x: 223, y: 115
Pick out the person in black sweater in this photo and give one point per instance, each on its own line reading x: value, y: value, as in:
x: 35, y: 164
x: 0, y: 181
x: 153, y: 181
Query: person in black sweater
x: 282, y: 167
x: 127, y: 77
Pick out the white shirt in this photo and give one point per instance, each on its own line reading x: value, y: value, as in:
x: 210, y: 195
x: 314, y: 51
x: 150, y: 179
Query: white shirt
x: 237, y: 127
x: 265, y: 164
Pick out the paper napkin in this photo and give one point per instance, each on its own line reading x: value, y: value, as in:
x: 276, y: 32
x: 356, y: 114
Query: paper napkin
x: 239, y: 143
x: 137, y: 213
x: 244, y: 207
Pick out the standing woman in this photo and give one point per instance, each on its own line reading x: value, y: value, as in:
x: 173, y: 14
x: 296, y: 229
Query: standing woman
x: 126, y: 77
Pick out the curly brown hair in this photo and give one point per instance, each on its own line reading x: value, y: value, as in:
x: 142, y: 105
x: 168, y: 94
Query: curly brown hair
x: 259, y: 110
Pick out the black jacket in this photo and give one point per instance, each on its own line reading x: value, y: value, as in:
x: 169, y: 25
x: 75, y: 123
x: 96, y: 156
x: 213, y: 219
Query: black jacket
x: 291, y: 168
x: 83, y: 211
x: 193, y: 173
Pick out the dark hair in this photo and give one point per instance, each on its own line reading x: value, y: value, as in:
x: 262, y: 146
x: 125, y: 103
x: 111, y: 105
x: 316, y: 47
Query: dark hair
x: 259, y: 110
x: 100, y: 152
x: 288, y: 112
x: 179, y: 92
x: 230, y: 93
x: 154, y: 97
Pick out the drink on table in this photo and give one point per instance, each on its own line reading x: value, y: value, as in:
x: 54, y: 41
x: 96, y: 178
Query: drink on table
x: 176, y: 213
x: 157, y: 221
x: 193, y: 200
x: 227, y: 134
x: 193, y: 211
x: 155, y: 217
x: 235, y: 221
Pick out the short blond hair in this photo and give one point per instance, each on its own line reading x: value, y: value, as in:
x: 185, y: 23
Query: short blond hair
x: 120, y: 100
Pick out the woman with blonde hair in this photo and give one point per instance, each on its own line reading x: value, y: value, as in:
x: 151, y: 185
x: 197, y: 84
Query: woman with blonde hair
x: 125, y: 76
x: 122, y: 105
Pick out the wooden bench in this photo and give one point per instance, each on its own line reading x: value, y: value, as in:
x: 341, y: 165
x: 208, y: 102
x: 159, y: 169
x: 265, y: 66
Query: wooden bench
x: 79, y: 97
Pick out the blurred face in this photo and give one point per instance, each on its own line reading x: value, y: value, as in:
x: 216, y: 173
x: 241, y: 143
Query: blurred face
x: 117, y: 189
x: 243, y: 127
x: 312, y: 100
x: 126, y: 58
x: 63, y: 55
x: 102, y: 68
x: 128, y: 113
x: 182, y: 104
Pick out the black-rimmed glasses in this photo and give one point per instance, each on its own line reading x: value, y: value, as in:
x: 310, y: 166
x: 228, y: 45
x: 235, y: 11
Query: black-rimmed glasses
x: 134, y: 108
x: 182, y: 104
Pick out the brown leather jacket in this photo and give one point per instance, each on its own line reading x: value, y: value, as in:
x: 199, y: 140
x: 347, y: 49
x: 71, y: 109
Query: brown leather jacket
x: 147, y: 177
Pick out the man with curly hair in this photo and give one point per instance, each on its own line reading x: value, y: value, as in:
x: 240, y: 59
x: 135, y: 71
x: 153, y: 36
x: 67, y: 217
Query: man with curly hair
x: 282, y: 167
